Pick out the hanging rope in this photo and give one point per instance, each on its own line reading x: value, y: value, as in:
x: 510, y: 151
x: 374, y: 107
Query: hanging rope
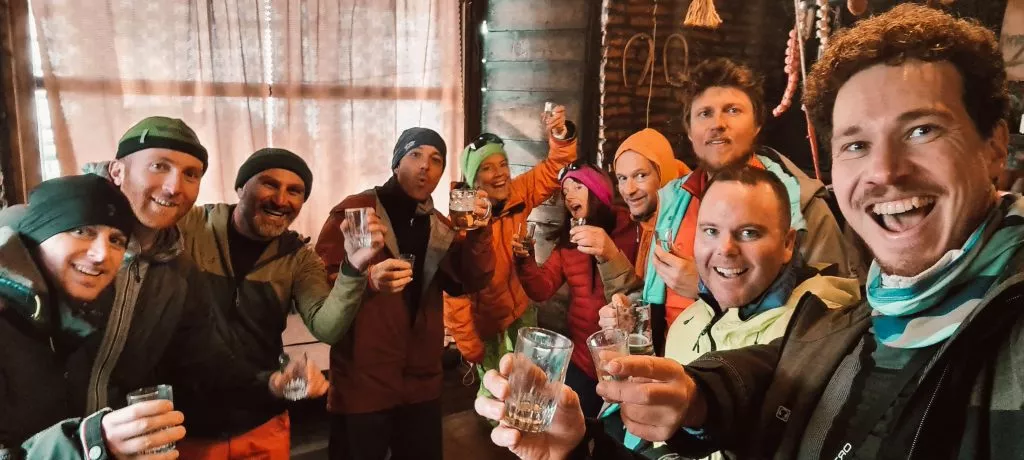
x: 812, y: 137
x: 650, y: 87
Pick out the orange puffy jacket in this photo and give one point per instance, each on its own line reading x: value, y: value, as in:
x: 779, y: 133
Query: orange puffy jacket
x: 471, y: 317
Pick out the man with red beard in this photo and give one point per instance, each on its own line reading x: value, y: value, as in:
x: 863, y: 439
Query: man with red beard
x: 256, y: 270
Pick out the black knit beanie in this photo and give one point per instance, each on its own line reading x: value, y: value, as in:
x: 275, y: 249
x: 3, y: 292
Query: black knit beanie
x: 271, y: 158
x: 66, y: 203
x: 415, y: 137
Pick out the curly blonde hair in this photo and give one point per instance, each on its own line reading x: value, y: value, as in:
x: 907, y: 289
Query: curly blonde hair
x: 911, y: 31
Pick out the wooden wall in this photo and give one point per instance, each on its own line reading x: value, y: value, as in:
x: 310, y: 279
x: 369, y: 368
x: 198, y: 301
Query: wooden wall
x: 535, y: 51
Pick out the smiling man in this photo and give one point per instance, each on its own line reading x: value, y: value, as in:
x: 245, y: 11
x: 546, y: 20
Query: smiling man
x: 751, y: 283
x: 914, y: 102
x: 156, y: 324
x: 257, y: 270
x: 724, y: 116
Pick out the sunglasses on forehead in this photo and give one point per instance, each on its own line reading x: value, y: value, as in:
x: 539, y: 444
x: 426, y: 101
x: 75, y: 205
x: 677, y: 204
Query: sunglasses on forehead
x: 574, y: 166
x: 484, y: 139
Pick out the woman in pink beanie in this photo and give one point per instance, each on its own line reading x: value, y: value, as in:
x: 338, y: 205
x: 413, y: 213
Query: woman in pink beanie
x: 588, y: 194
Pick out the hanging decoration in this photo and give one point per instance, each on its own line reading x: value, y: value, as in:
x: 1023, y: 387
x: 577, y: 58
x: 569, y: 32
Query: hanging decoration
x: 857, y: 7
x: 824, y: 27
x: 686, y: 60
x: 648, y: 64
x: 805, y: 19
x: 796, y: 69
x: 702, y: 13
x: 793, y: 71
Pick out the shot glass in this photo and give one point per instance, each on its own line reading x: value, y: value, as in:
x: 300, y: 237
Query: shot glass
x: 606, y: 345
x: 152, y: 394
x: 539, y: 364
x: 359, y: 228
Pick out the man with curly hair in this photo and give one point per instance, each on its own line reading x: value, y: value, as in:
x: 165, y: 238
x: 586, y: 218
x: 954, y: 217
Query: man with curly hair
x: 913, y: 103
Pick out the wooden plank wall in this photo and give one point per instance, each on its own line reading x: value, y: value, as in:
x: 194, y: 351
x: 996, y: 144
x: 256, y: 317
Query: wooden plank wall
x: 535, y: 52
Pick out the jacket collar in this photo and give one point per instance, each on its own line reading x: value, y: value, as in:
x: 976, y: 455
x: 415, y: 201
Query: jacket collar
x: 441, y: 236
x: 218, y: 218
x: 777, y: 294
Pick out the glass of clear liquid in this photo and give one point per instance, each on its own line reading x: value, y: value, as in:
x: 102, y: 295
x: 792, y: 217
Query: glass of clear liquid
x: 152, y: 394
x: 294, y: 368
x: 538, y: 372
x: 606, y: 345
x: 359, y: 228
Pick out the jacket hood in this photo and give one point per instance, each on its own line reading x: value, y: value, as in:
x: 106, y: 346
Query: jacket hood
x: 809, y: 187
x: 834, y: 291
x: 22, y: 285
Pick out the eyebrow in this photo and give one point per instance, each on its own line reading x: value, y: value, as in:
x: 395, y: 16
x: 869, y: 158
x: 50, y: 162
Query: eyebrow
x: 744, y: 226
x: 903, y: 118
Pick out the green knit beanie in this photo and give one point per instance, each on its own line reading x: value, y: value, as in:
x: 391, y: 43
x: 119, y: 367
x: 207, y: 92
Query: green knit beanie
x: 161, y: 133
x: 471, y: 159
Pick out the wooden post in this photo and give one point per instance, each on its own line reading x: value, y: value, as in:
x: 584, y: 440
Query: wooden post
x: 19, y: 150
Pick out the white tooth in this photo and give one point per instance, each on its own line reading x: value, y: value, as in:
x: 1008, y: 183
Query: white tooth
x: 902, y: 206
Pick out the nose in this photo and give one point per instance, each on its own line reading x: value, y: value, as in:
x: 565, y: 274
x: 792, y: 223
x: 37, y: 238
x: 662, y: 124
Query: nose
x: 718, y: 121
x: 280, y: 198
x: 172, y: 184
x: 887, y: 164
x: 99, y: 249
x: 628, y: 187
x: 727, y: 246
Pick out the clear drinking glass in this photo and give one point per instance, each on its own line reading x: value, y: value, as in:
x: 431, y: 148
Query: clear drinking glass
x: 635, y: 319
x: 460, y: 210
x: 664, y: 239
x: 613, y: 342
x: 411, y: 258
x: 359, y: 228
x: 294, y: 369
x: 574, y: 222
x: 538, y: 372
x: 549, y: 109
x: 153, y: 394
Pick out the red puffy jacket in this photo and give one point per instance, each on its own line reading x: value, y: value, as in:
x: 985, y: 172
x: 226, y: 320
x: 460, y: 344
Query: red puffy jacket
x: 586, y: 292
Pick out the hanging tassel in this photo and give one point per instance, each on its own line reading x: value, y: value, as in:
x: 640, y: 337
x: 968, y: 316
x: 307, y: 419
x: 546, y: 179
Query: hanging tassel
x: 702, y: 13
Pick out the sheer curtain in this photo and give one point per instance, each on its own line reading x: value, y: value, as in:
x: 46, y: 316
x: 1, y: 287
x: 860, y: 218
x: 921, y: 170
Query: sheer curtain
x: 334, y: 81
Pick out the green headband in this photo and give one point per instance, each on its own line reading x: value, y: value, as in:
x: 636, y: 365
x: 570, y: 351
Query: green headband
x: 471, y: 159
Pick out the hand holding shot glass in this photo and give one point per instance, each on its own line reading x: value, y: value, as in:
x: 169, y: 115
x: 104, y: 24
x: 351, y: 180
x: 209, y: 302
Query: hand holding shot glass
x: 149, y: 425
x: 296, y: 385
x: 633, y: 318
x: 539, y: 363
x: 606, y: 345
x: 523, y: 243
x: 469, y: 209
x: 554, y: 119
x: 364, y: 235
